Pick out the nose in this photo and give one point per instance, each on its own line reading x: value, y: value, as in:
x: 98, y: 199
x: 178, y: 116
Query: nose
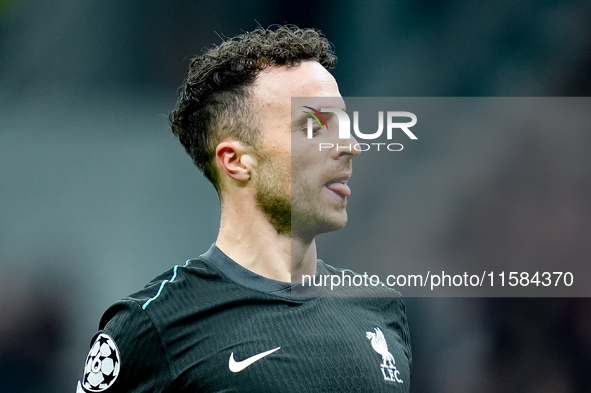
x: 347, y: 148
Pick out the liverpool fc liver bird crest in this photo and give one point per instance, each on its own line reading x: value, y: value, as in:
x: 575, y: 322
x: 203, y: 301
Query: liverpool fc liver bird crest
x: 378, y: 343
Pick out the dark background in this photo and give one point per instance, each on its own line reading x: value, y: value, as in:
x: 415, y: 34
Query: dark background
x: 97, y: 197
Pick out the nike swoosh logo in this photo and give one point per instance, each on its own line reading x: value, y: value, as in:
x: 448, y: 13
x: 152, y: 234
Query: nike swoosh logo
x: 236, y: 367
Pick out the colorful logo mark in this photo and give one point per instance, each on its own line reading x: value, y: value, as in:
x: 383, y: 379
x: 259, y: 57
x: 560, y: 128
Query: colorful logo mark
x: 315, y: 115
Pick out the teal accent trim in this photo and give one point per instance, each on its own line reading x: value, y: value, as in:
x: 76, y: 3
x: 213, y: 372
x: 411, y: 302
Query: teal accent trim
x: 161, y: 287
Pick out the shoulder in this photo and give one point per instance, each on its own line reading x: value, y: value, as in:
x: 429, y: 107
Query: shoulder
x: 184, y: 290
x: 130, y: 351
x: 126, y: 347
x: 172, y: 285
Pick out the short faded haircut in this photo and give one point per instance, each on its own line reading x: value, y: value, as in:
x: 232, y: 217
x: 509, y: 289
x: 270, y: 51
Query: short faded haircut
x: 215, y: 99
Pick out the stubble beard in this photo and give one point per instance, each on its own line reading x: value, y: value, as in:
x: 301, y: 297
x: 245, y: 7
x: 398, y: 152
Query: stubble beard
x: 271, y: 199
x: 275, y: 199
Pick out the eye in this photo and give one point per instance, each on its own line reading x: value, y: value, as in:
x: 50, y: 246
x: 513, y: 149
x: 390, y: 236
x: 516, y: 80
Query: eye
x: 315, y: 121
x: 313, y: 125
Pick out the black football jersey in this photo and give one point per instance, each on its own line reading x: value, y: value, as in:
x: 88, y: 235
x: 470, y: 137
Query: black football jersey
x: 213, y: 326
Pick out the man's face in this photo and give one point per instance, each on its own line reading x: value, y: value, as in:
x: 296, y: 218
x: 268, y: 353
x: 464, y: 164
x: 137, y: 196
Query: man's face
x: 301, y: 189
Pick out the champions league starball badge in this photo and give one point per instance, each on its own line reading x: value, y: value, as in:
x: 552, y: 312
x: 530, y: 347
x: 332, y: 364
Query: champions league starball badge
x: 102, y: 365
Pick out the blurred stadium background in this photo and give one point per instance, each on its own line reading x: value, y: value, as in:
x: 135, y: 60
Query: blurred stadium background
x: 97, y: 197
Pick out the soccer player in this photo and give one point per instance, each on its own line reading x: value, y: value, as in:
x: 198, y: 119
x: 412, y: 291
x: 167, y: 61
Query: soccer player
x: 228, y: 321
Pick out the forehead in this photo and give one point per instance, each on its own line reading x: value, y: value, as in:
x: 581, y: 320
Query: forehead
x: 275, y: 86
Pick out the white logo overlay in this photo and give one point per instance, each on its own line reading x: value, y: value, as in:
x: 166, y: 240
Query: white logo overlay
x: 102, y: 365
x: 378, y: 343
x: 236, y: 367
x: 393, y: 123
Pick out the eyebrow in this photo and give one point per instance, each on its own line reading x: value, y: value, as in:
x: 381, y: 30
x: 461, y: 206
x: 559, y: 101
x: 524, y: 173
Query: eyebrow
x: 299, y: 117
x: 301, y: 113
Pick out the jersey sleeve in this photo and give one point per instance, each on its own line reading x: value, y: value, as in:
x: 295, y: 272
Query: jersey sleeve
x: 126, y: 355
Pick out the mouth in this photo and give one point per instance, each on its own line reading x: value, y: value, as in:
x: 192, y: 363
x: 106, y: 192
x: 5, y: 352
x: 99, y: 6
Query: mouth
x: 339, y: 187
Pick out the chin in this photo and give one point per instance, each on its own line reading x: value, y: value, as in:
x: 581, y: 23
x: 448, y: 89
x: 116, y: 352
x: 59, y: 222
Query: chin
x: 334, y: 226
x: 336, y: 220
x: 307, y: 228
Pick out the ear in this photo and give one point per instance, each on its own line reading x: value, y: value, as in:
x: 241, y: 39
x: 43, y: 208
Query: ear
x: 235, y: 159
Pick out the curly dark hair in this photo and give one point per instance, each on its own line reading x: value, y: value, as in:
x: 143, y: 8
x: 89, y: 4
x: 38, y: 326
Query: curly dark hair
x: 214, y: 100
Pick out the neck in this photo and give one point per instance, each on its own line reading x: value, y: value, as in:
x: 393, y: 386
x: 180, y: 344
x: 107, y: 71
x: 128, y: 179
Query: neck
x: 249, y: 238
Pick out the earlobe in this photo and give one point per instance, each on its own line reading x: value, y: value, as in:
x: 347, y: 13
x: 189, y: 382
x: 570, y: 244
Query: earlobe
x: 233, y: 158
